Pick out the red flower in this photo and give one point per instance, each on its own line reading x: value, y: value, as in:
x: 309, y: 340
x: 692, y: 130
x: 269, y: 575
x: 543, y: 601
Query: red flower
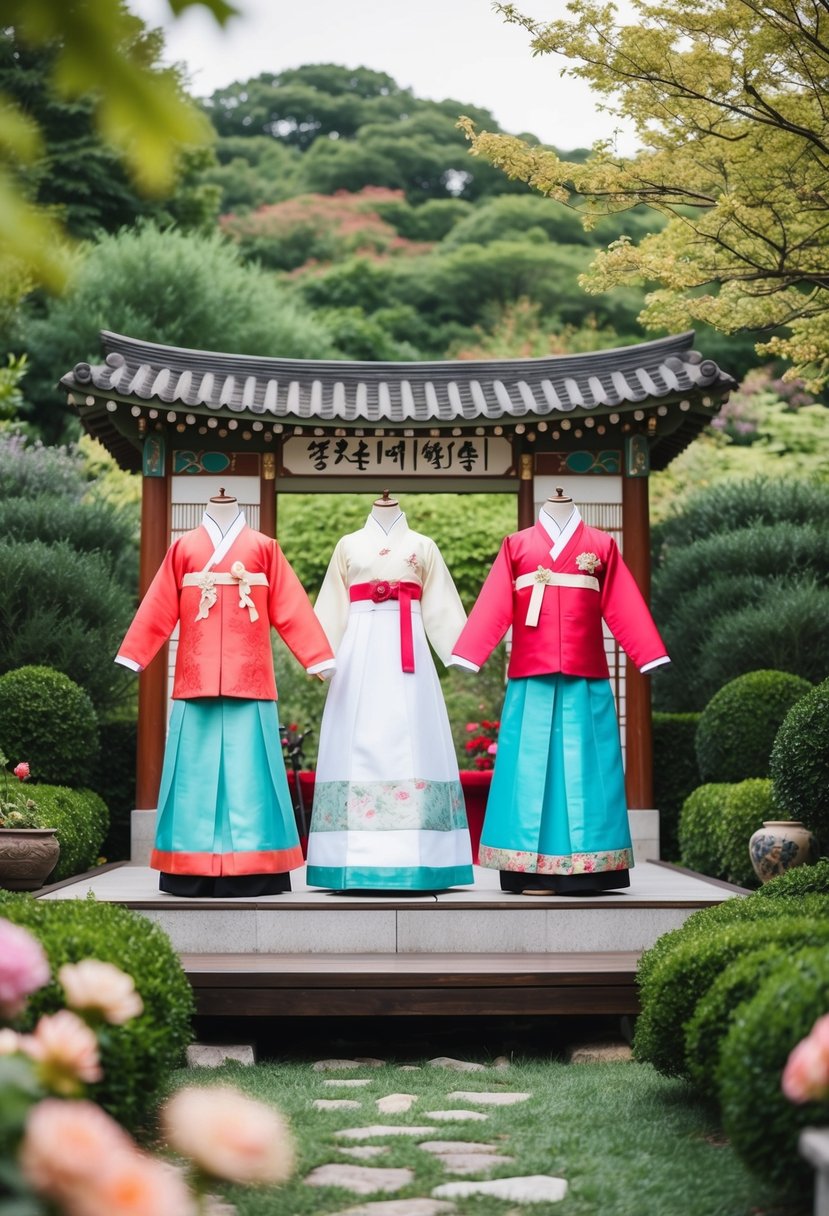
x: 22, y: 771
x: 380, y: 591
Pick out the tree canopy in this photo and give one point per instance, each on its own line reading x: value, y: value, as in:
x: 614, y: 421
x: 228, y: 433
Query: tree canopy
x: 728, y: 101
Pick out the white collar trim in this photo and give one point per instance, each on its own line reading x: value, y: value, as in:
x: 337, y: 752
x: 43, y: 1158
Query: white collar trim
x: 221, y: 544
x: 394, y: 523
x: 559, y: 536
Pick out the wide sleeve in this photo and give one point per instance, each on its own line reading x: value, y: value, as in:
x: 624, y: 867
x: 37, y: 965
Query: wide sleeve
x: 332, y: 602
x: 491, y: 616
x: 443, y: 613
x: 155, y: 619
x: 627, y: 615
x: 291, y: 614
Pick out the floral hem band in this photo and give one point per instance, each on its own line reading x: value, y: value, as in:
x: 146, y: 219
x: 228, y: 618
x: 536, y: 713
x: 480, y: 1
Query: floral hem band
x: 524, y: 862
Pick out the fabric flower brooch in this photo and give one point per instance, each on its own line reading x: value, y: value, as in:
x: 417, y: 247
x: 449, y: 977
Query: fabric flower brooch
x: 589, y: 563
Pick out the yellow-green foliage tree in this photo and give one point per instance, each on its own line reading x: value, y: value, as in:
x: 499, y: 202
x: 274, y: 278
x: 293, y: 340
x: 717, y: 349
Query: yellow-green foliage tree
x: 728, y: 101
x: 102, y: 53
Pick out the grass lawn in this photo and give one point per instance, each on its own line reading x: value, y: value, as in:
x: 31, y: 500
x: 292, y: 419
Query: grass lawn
x: 628, y: 1141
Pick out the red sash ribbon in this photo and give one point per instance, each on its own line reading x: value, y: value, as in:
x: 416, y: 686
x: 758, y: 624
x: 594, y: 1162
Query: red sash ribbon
x: 378, y: 591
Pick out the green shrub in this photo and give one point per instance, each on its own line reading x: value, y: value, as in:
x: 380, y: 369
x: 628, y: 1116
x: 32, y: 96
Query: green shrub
x: 800, y: 762
x: 715, y: 1012
x: 675, y: 773
x: 29, y: 469
x: 760, y: 1122
x: 745, y: 808
x: 48, y: 720
x: 798, y: 882
x: 115, y: 782
x: 64, y: 609
x: 137, y: 1057
x: 737, y: 727
x: 87, y: 527
x: 698, y: 822
x: 81, y: 819
x: 673, y: 989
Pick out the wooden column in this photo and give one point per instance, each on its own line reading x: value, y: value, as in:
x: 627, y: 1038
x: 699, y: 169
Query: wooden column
x: 152, y: 682
x: 638, y: 728
x: 267, y: 493
x: 526, y: 490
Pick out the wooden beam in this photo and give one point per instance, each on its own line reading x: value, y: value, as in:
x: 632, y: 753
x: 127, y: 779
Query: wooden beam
x: 267, y: 494
x: 638, y: 727
x: 526, y: 490
x: 152, y: 682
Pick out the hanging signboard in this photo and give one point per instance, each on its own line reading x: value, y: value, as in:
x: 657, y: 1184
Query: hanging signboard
x: 476, y: 456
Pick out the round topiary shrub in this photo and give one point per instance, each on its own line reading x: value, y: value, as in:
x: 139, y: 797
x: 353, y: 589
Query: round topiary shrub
x: 138, y: 1056
x: 796, y: 883
x: 761, y: 1123
x: 673, y: 989
x: 715, y: 1011
x: 675, y: 773
x: 48, y: 720
x: 698, y: 826
x: 800, y: 762
x: 81, y: 819
x: 745, y: 808
x: 736, y: 730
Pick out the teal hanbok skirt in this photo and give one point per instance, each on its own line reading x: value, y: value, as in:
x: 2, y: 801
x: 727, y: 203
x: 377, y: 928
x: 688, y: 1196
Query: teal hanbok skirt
x: 224, y: 807
x: 557, y: 801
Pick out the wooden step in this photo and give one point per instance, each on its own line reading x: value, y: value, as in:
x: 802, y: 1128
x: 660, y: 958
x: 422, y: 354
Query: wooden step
x: 389, y: 985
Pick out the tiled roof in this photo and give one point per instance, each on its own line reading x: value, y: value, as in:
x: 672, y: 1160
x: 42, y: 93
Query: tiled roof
x: 429, y: 393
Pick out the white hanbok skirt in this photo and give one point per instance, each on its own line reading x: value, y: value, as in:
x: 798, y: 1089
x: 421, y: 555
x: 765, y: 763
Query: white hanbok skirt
x: 388, y: 807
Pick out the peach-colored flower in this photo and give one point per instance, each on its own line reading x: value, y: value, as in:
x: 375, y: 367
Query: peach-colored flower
x: 23, y: 968
x: 132, y: 1184
x: 66, y: 1143
x: 65, y: 1051
x: 21, y: 770
x: 806, y: 1075
x: 101, y: 988
x: 229, y: 1135
x: 9, y: 1042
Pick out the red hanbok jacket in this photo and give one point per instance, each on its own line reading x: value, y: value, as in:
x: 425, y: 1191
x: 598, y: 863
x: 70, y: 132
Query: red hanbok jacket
x: 225, y: 651
x: 568, y: 636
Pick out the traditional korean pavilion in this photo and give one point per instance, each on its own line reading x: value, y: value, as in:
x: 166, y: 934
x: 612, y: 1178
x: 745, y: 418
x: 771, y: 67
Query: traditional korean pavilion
x: 595, y: 424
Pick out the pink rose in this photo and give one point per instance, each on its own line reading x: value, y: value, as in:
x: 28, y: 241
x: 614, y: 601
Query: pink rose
x: 806, y: 1075
x: 101, y: 988
x: 472, y: 726
x: 492, y: 750
x: 21, y: 771
x: 23, y: 968
x: 402, y: 795
x: 65, y: 1144
x: 229, y: 1135
x: 420, y: 785
x: 370, y: 814
x: 65, y: 1051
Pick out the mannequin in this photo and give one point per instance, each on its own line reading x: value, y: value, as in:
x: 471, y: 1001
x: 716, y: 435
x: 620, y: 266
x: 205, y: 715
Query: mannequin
x: 560, y: 508
x: 385, y: 510
x: 225, y: 819
x: 556, y: 817
x: 223, y: 509
x: 388, y: 807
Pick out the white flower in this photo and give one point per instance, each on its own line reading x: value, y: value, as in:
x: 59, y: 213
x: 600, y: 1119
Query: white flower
x: 589, y: 562
x: 101, y: 987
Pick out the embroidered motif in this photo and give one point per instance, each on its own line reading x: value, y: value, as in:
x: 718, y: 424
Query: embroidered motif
x: 569, y: 863
x: 412, y: 562
x: 385, y: 552
x: 589, y: 562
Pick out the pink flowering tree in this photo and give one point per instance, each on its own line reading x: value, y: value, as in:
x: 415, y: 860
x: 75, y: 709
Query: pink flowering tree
x: 61, y: 1153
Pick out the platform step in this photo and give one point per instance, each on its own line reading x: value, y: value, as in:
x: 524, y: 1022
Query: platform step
x: 389, y: 985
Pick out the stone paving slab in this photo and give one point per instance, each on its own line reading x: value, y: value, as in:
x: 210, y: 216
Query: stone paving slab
x: 208, y: 1055
x: 533, y: 1188
x: 401, y: 1207
x: 455, y: 1146
x: 381, y: 1129
x: 455, y: 1065
x: 600, y: 1053
x: 336, y: 1104
x: 344, y: 1065
x: 364, y: 1151
x: 471, y: 1163
x: 455, y: 1116
x: 361, y: 1179
x: 396, y: 1104
x: 346, y: 1083
x: 504, y: 1098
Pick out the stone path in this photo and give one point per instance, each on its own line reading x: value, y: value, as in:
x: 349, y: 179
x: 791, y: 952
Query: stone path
x: 456, y: 1156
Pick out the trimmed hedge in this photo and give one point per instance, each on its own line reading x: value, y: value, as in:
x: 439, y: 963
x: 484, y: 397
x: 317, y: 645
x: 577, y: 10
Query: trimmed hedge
x: 137, y: 1057
x: 800, y: 762
x: 675, y: 773
x: 115, y: 782
x: 737, y: 728
x: 49, y: 721
x: 81, y: 819
x: 698, y: 820
x: 747, y: 805
x: 761, y: 1123
x: 674, y: 987
x: 800, y: 881
x: 716, y: 1010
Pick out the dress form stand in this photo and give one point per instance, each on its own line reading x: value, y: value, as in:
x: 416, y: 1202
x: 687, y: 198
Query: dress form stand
x: 385, y: 510
x: 559, y: 508
x: 223, y: 509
